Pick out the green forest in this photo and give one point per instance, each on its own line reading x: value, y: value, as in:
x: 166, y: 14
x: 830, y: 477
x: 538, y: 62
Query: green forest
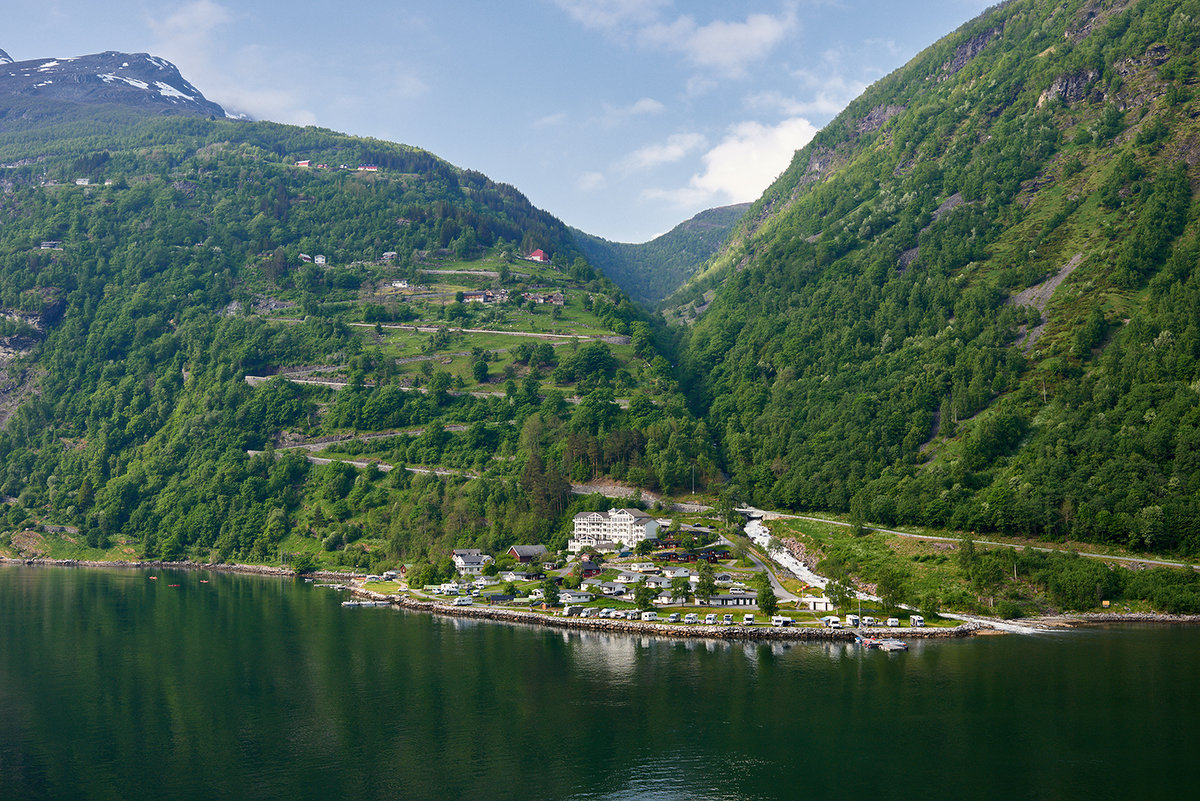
x: 883, y: 350
x: 184, y: 276
x: 971, y: 303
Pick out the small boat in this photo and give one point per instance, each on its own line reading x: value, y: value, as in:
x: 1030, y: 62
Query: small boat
x: 203, y: 581
x: 172, y: 585
x: 893, y: 645
x: 154, y: 578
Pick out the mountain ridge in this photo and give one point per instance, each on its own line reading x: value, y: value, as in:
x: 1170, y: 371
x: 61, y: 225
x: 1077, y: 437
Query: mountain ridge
x: 863, y: 349
x: 139, y: 81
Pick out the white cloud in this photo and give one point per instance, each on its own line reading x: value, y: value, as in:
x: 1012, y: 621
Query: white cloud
x: 193, y: 23
x: 240, y: 81
x: 551, y: 120
x: 743, y: 165
x: 827, y: 101
x: 674, y: 149
x: 591, y: 181
x: 612, y: 116
x: 612, y: 13
x: 725, y: 47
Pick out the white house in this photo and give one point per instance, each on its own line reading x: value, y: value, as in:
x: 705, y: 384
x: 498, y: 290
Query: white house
x: 470, y: 561
x: 628, y: 526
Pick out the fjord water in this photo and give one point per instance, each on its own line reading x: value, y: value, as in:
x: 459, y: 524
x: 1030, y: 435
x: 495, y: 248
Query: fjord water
x: 116, y: 686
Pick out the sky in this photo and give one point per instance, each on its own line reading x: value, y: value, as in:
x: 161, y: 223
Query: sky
x: 620, y: 117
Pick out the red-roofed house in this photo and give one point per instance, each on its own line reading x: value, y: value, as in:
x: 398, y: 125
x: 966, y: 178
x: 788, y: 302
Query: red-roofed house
x: 538, y: 255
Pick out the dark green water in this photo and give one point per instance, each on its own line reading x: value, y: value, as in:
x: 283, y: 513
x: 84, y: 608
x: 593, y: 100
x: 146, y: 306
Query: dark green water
x: 116, y: 686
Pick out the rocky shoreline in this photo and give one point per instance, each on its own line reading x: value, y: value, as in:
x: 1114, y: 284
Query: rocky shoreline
x: 605, y: 625
x: 222, y: 567
x: 608, y: 626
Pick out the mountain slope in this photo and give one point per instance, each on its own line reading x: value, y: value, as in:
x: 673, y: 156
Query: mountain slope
x: 971, y: 300
x: 138, y: 81
x: 652, y: 270
x: 177, y: 294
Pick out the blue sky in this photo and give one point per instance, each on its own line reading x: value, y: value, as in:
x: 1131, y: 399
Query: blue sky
x: 621, y: 117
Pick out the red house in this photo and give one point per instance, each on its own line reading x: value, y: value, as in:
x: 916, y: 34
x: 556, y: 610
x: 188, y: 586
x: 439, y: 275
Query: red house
x: 538, y: 255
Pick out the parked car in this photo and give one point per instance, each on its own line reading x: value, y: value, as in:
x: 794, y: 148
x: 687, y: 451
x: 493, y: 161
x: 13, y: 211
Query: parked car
x: 691, y: 617
x: 710, y: 620
x: 673, y: 617
x: 727, y: 620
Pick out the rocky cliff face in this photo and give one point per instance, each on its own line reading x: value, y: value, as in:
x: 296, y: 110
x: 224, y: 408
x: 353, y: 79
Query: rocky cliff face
x: 138, y: 80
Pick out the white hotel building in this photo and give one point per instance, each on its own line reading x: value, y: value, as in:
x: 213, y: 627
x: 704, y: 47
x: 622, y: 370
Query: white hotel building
x: 628, y: 526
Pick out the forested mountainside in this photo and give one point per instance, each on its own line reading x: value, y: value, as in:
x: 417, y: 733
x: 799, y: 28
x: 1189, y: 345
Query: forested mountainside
x: 974, y: 299
x: 653, y: 270
x: 193, y: 308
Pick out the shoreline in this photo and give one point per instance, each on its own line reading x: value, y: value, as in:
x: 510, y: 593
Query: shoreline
x: 1047, y: 624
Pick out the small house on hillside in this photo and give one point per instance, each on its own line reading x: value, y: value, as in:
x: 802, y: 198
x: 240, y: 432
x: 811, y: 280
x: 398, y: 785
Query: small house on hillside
x: 538, y: 255
x: 470, y: 561
x: 526, y: 553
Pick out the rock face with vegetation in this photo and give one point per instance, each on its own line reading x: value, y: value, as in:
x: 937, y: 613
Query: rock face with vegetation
x: 972, y: 300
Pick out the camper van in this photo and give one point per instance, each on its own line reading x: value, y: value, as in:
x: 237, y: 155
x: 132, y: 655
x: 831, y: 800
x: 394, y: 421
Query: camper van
x: 916, y: 621
x: 781, y: 620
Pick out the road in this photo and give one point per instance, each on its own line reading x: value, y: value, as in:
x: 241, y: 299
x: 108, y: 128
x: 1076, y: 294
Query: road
x: 992, y: 543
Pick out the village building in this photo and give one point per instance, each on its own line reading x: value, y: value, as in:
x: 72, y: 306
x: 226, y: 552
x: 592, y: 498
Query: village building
x: 538, y: 255
x: 526, y: 553
x: 553, y: 298
x: 628, y: 526
x: 485, y: 296
x: 734, y: 599
x: 470, y: 561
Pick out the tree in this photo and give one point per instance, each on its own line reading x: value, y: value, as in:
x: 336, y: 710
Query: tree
x: 644, y: 595
x: 480, y: 371
x: 892, y: 586
x: 303, y: 563
x: 768, y: 603
x: 840, y: 592
x: 680, y: 587
x: 549, y: 591
x: 707, y: 585
x: 643, y: 548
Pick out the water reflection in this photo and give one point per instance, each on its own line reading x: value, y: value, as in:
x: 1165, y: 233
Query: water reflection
x: 115, y: 686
